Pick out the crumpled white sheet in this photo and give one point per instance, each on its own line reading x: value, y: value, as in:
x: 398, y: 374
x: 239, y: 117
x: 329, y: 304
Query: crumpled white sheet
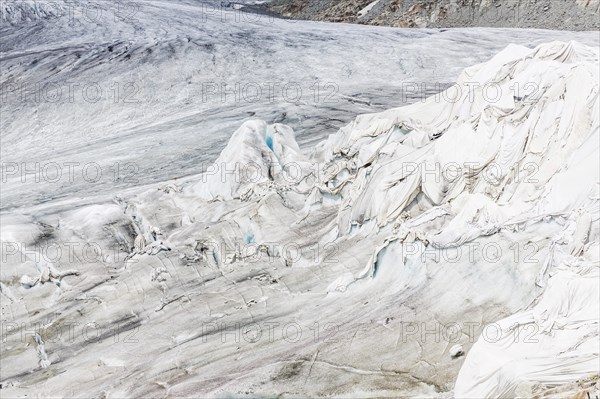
x: 552, y: 137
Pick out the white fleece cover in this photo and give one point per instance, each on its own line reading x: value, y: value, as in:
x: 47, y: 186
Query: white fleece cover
x: 554, y: 130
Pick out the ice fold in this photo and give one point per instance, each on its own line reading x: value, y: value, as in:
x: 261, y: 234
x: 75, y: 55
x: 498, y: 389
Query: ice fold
x: 257, y: 157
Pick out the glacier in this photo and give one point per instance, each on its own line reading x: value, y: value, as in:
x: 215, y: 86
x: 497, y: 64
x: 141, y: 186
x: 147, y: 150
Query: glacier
x: 449, y: 247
